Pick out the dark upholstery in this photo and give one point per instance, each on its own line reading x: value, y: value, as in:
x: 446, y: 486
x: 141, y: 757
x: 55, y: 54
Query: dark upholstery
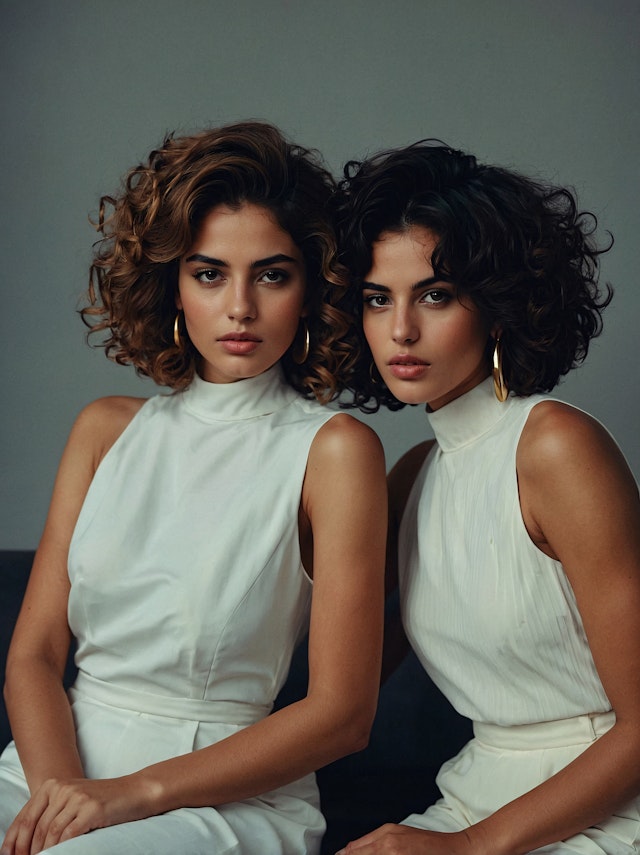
x: 414, y: 732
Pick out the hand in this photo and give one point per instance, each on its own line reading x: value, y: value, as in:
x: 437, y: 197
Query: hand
x: 62, y: 809
x: 403, y: 840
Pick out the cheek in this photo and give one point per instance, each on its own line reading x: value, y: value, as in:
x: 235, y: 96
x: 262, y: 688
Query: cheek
x: 466, y: 338
x: 187, y: 305
x: 285, y: 309
x: 198, y: 313
x: 371, y: 332
x: 182, y: 288
x: 285, y: 324
x: 184, y: 298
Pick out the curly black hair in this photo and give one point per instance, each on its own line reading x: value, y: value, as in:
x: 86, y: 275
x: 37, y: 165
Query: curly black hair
x: 148, y: 226
x: 520, y: 249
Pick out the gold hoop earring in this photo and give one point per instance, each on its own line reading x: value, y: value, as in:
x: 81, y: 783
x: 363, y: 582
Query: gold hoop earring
x: 301, y: 357
x: 372, y: 377
x: 499, y: 386
x: 176, y: 332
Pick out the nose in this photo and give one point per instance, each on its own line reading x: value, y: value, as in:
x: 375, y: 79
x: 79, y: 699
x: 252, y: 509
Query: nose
x: 241, y: 305
x: 404, y: 329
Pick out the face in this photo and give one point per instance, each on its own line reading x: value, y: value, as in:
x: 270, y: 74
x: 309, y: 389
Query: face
x: 242, y: 289
x: 428, y: 345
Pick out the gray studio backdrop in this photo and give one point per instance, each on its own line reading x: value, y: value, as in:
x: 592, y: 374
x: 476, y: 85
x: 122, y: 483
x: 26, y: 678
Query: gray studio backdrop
x: 549, y: 87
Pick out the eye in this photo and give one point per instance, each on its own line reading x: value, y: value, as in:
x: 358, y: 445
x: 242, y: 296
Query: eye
x: 376, y: 301
x: 273, y: 277
x: 208, y: 277
x: 436, y: 297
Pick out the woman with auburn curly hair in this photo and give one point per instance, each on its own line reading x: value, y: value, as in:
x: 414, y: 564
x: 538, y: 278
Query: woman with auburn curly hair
x: 185, y: 530
x: 517, y: 531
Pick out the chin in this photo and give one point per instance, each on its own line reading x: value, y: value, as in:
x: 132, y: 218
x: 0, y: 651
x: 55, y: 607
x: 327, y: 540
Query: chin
x: 407, y: 395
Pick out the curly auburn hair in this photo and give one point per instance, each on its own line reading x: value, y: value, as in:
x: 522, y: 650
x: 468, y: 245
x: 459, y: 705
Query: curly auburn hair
x: 154, y: 220
x: 519, y: 249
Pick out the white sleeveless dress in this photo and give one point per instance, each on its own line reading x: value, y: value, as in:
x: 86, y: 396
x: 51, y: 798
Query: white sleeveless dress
x: 188, y: 597
x: 495, y: 624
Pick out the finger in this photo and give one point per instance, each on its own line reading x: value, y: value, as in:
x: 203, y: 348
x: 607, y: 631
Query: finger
x: 20, y: 833
x: 8, y: 843
x: 73, y: 814
x: 52, y: 827
x: 367, y: 839
x: 17, y: 840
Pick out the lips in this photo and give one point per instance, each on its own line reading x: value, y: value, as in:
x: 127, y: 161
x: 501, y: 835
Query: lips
x: 239, y: 336
x: 406, y: 367
x: 406, y: 359
x: 239, y: 343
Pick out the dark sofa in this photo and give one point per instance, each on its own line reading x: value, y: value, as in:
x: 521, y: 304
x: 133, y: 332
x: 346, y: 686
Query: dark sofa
x: 414, y: 732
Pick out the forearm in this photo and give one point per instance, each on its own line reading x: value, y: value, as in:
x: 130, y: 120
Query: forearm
x: 582, y: 794
x: 41, y: 722
x: 277, y: 750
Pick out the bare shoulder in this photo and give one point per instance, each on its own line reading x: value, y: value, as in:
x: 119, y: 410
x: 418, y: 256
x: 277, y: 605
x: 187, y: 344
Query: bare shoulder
x: 572, y: 477
x: 558, y: 437
x: 403, y: 475
x: 345, y: 439
x: 345, y: 467
x: 101, y: 422
x: 113, y: 408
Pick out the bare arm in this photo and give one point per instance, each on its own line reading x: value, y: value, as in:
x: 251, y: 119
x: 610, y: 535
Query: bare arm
x: 344, y: 499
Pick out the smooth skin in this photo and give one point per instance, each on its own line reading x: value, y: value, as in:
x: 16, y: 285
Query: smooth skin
x: 242, y: 289
x: 342, y: 525
x: 580, y: 505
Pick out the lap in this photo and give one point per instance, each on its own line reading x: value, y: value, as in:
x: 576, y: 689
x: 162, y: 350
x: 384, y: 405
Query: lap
x: 480, y: 779
x: 592, y: 841
x: 278, y: 823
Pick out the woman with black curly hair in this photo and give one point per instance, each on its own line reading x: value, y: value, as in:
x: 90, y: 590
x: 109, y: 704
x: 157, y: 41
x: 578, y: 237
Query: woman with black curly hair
x: 517, y: 531
x: 185, y: 530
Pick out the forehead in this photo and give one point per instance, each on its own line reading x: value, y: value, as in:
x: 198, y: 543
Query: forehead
x: 403, y: 253
x: 248, y: 225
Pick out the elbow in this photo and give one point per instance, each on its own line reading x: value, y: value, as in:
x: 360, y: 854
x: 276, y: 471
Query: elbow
x: 342, y: 724
x: 363, y: 725
x: 355, y: 732
x: 359, y: 741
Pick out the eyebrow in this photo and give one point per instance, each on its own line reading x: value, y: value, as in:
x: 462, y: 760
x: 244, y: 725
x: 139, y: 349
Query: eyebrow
x: 423, y: 283
x: 279, y: 258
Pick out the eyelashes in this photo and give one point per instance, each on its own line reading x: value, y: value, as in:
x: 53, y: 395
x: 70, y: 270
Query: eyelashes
x: 432, y: 297
x: 376, y: 301
x: 211, y: 277
x: 206, y: 277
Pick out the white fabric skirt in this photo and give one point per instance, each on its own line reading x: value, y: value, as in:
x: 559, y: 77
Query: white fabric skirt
x: 502, y: 763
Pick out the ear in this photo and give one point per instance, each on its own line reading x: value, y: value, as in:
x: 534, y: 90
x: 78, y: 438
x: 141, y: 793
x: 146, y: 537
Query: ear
x: 178, y: 301
x: 495, y: 332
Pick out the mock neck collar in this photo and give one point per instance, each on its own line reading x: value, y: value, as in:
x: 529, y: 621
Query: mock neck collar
x: 468, y: 417
x: 244, y: 399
